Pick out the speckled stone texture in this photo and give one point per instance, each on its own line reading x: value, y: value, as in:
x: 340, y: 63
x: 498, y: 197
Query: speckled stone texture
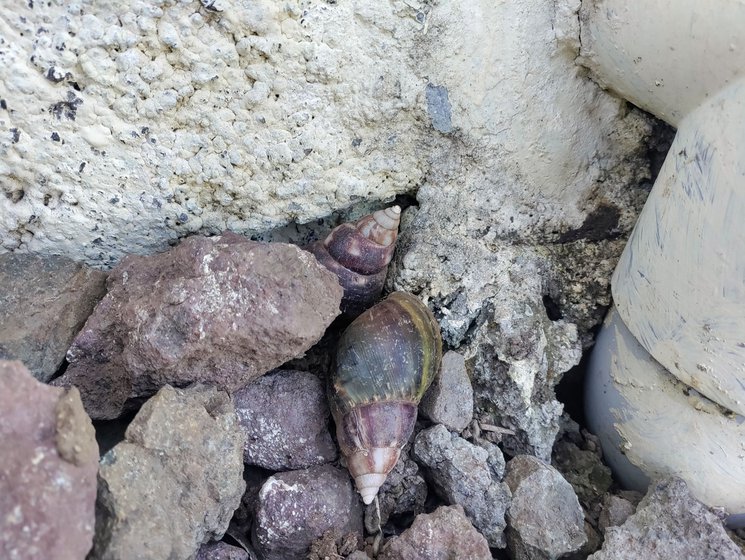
x: 545, y: 520
x: 296, y: 508
x: 175, y: 481
x: 449, y: 400
x: 442, y: 535
x: 461, y: 475
x: 285, y: 417
x: 45, y: 302
x: 48, y: 465
x: 669, y: 524
x: 222, y: 310
x: 221, y: 551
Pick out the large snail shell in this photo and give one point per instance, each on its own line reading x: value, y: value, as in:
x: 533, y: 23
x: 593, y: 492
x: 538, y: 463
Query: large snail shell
x: 359, y: 253
x: 385, y: 361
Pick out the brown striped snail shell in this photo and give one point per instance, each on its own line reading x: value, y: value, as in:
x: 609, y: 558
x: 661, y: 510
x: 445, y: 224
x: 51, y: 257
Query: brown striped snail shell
x: 359, y: 253
x: 385, y: 361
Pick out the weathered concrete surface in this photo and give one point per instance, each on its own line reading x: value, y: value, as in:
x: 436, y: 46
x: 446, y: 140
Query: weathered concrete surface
x: 125, y: 127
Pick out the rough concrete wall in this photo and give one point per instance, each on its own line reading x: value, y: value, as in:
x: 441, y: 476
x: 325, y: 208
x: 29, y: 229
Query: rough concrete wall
x: 126, y: 126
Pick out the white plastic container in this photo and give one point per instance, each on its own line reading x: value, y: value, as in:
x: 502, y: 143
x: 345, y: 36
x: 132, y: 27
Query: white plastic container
x: 652, y: 425
x: 666, y: 383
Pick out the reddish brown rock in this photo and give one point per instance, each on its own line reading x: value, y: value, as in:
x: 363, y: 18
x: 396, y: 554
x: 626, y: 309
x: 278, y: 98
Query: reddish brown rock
x: 296, y: 508
x: 45, y: 302
x: 48, y: 465
x: 221, y: 310
x: 285, y: 417
x: 444, y: 534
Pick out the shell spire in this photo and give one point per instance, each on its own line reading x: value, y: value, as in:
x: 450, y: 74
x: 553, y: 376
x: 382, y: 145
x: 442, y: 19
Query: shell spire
x: 359, y: 253
x: 385, y: 361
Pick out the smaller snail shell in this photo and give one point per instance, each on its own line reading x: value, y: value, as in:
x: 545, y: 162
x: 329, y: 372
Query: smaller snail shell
x: 359, y: 253
x: 385, y: 361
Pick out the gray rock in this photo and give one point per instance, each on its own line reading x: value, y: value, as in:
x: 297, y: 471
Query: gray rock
x: 449, y: 400
x: 48, y: 465
x: 175, y: 481
x: 221, y: 310
x: 446, y: 533
x: 404, y: 491
x: 616, y: 510
x: 545, y: 520
x: 45, y: 302
x: 461, y: 475
x: 221, y: 551
x: 296, y: 508
x: 495, y: 459
x: 285, y: 417
x: 669, y: 524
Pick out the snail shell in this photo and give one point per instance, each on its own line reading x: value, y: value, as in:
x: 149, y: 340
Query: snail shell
x: 359, y: 253
x: 385, y: 362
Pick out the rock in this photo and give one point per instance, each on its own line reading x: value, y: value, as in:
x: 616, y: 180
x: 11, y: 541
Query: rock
x: 181, y: 461
x: 449, y: 400
x: 446, y: 533
x: 221, y: 551
x: 49, y: 460
x: 669, y: 524
x: 333, y: 545
x: 545, y: 520
x: 243, y: 517
x: 296, y: 508
x: 461, y: 475
x: 584, y: 470
x: 616, y: 510
x: 222, y: 310
x: 495, y: 459
x: 285, y: 417
x: 404, y: 491
x: 46, y: 300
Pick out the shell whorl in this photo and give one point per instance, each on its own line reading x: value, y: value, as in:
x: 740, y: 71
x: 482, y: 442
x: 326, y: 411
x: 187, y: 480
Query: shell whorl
x: 359, y: 253
x: 386, y: 360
